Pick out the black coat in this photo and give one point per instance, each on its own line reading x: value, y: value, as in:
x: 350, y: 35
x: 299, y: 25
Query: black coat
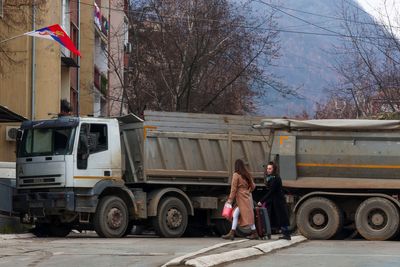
x: 275, y: 201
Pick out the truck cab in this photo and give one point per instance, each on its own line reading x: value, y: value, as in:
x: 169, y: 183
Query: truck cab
x: 63, y: 166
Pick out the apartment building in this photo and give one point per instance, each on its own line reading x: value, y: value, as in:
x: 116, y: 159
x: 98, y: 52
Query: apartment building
x: 40, y: 79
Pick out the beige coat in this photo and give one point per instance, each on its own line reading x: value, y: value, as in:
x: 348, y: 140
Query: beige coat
x: 241, y: 192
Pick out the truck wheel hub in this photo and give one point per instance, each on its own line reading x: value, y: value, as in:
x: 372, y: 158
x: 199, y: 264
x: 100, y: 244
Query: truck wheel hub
x: 174, y: 218
x: 114, y: 218
x: 318, y: 219
x: 377, y: 219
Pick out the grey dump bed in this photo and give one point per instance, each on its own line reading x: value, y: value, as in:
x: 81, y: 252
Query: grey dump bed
x: 337, y: 154
x: 185, y: 148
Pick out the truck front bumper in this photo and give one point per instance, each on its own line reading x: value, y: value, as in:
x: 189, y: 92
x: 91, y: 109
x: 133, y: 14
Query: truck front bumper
x: 39, y: 202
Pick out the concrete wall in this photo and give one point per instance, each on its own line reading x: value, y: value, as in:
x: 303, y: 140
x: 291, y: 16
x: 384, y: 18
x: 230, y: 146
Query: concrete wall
x: 87, y: 60
x: 48, y: 66
x: 118, y: 37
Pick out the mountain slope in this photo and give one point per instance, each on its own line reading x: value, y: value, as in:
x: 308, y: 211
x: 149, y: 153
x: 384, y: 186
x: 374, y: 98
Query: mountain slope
x: 306, y: 53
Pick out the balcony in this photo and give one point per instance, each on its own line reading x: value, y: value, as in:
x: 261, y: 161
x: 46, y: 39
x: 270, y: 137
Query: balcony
x: 101, y: 28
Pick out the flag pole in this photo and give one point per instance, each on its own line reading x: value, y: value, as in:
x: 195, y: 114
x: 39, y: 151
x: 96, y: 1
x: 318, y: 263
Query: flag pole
x: 9, y: 39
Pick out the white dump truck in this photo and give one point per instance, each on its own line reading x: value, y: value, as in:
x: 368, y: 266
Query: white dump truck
x: 166, y: 172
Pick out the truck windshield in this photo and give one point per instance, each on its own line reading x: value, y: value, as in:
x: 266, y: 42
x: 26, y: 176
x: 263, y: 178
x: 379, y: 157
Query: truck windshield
x: 46, y: 141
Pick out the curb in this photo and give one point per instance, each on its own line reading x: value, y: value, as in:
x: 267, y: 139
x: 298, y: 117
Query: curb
x: 181, y: 260
x: 216, y: 259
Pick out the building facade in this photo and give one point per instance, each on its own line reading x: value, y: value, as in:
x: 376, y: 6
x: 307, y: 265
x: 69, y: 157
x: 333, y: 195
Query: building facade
x: 40, y: 79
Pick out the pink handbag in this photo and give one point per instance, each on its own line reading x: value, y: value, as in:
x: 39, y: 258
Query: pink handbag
x: 227, y: 211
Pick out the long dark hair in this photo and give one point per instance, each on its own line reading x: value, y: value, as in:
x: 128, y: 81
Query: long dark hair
x: 275, y: 167
x: 241, y: 169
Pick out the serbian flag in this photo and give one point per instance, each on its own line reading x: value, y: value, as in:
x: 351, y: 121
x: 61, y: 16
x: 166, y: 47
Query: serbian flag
x: 55, y: 32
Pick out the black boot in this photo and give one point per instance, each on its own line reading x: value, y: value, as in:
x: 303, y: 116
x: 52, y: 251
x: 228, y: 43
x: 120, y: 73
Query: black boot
x: 286, y: 235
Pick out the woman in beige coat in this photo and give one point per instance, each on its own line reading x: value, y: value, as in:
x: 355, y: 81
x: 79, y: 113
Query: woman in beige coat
x: 241, y: 188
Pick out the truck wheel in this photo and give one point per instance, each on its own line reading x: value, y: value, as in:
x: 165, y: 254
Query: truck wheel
x: 129, y: 229
x: 377, y: 219
x: 319, y: 218
x: 222, y: 227
x: 111, y: 218
x: 171, y: 219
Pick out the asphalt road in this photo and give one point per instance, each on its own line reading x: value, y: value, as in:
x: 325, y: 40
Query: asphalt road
x: 91, y: 251
x: 357, y: 253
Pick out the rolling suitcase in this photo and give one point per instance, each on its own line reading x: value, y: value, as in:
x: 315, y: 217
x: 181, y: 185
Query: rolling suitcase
x: 262, y: 222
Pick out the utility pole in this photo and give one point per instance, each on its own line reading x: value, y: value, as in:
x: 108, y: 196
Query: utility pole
x: 33, y: 79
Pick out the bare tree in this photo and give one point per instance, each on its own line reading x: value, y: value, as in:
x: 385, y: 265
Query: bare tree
x: 17, y: 15
x: 198, y: 56
x: 368, y: 65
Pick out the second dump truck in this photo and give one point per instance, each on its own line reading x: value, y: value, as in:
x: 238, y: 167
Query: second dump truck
x: 172, y: 171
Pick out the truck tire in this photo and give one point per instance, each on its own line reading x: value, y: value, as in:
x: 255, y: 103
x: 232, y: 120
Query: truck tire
x: 222, y: 227
x: 377, y: 219
x: 319, y: 218
x: 171, y: 219
x: 111, y: 218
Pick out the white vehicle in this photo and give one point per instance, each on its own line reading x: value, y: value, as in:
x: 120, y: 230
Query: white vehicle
x: 109, y: 175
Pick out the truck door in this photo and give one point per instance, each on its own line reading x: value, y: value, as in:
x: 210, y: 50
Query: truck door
x: 93, y: 157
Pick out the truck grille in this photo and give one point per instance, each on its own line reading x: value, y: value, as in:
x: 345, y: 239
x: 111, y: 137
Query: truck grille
x: 41, y: 180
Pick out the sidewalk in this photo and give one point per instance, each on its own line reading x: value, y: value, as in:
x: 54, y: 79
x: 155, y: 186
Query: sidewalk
x: 231, y: 251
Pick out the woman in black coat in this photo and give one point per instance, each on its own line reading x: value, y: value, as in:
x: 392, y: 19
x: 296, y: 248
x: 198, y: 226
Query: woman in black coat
x: 274, y: 200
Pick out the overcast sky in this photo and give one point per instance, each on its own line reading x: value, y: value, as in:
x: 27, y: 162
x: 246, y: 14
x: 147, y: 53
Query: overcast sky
x: 377, y: 9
